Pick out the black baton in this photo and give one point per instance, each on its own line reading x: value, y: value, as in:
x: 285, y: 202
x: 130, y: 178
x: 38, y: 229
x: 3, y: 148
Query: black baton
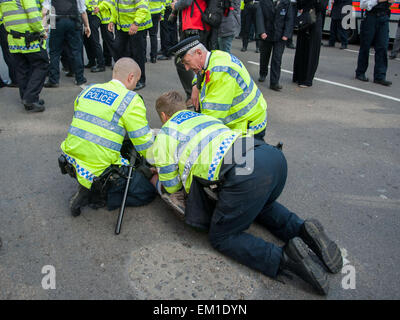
x: 121, y: 213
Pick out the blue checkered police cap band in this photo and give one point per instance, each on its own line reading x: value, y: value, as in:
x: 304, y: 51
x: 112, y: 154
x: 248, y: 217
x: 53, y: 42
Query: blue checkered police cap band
x: 184, y: 46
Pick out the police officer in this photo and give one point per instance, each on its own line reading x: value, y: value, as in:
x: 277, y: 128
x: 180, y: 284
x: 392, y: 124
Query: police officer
x: 374, y: 28
x: 67, y: 28
x: 194, y: 150
x: 224, y: 88
x: 104, y: 113
x: 249, y: 19
x: 275, y: 27
x: 131, y: 18
x: 27, y: 44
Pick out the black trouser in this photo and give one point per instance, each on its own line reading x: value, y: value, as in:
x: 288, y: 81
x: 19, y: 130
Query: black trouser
x: 7, y: 55
x: 337, y: 32
x: 168, y: 32
x: 132, y: 47
x: 108, y: 38
x: 249, y: 16
x: 277, y: 48
x: 374, y: 29
x: 93, y: 47
x: 65, y: 31
x: 153, y: 31
x: 31, y: 71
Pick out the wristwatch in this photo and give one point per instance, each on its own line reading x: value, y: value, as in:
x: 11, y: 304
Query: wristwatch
x: 136, y: 24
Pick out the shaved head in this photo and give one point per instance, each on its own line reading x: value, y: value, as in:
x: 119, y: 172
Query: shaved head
x: 124, y: 68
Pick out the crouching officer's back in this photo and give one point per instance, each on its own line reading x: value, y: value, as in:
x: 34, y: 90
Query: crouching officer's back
x: 104, y: 114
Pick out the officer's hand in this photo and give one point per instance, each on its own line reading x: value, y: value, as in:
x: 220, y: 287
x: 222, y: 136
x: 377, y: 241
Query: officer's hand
x: 264, y: 36
x: 96, y: 10
x: 284, y: 38
x: 110, y: 27
x: 195, y: 97
x: 133, y: 29
x: 88, y: 32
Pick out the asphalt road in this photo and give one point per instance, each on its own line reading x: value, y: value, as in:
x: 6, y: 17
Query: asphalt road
x: 342, y: 147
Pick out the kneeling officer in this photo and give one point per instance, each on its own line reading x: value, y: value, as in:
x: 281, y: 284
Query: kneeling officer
x: 194, y: 150
x: 104, y: 115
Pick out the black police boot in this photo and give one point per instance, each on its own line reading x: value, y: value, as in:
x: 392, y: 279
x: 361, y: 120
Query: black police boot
x: 34, y: 107
x: 79, y: 200
x: 326, y: 250
x: 295, y: 258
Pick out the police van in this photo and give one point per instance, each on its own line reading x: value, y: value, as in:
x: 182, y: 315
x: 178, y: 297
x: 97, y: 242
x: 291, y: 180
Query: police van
x: 357, y: 14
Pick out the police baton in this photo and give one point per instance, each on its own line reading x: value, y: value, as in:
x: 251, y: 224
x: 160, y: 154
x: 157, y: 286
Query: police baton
x: 121, y: 213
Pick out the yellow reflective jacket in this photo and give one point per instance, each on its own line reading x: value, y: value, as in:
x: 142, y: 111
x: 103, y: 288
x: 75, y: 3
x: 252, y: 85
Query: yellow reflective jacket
x: 103, y: 114
x: 22, y: 16
x: 126, y: 12
x: 229, y: 93
x: 191, y: 144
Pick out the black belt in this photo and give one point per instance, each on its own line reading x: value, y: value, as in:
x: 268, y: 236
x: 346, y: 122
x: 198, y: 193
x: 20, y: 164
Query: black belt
x: 379, y: 13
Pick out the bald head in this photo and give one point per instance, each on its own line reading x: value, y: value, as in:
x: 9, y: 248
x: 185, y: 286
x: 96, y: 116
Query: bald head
x: 127, y: 71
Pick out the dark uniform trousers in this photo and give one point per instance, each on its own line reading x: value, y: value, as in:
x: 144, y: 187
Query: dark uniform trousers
x: 31, y: 71
x: 93, y: 47
x: 249, y: 17
x: 337, y: 32
x: 153, y: 31
x: 65, y: 30
x: 125, y: 45
x: 277, y: 48
x: 108, y: 40
x: 375, y: 29
x: 244, y: 199
x: 7, y: 55
x: 168, y: 32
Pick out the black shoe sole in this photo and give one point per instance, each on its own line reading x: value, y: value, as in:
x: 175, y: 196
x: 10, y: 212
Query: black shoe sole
x: 325, y: 249
x: 315, y: 275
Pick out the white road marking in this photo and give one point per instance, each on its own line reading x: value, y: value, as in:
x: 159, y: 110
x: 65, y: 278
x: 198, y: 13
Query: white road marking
x: 371, y: 54
x: 342, y: 85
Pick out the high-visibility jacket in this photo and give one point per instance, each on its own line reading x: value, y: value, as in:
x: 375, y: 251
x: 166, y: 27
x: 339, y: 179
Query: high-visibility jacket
x: 190, y: 144
x: 103, y: 114
x: 126, y: 12
x: 156, y: 6
x: 22, y: 16
x: 105, y: 11
x: 229, y: 93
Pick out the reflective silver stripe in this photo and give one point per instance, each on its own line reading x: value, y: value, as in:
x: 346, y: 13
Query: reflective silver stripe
x: 169, y: 169
x: 197, y: 151
x: 171, y: 183
x: 95, y: 138
x: 242, y: 111
x: 123, y: 105
x: 216, y: 106
x: 114, y: 127
x: 20, y: 11
x: 144, y: 146
x: 22, y: 21
x: 139, y: 133
x: 184, y: 139
x: 174, y: 133
x: 244, y: 95
x: 127, y: 10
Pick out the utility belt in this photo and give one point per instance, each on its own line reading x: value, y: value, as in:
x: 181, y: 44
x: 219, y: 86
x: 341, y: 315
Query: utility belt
x: 100, y: 184
x: 28, y: 36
